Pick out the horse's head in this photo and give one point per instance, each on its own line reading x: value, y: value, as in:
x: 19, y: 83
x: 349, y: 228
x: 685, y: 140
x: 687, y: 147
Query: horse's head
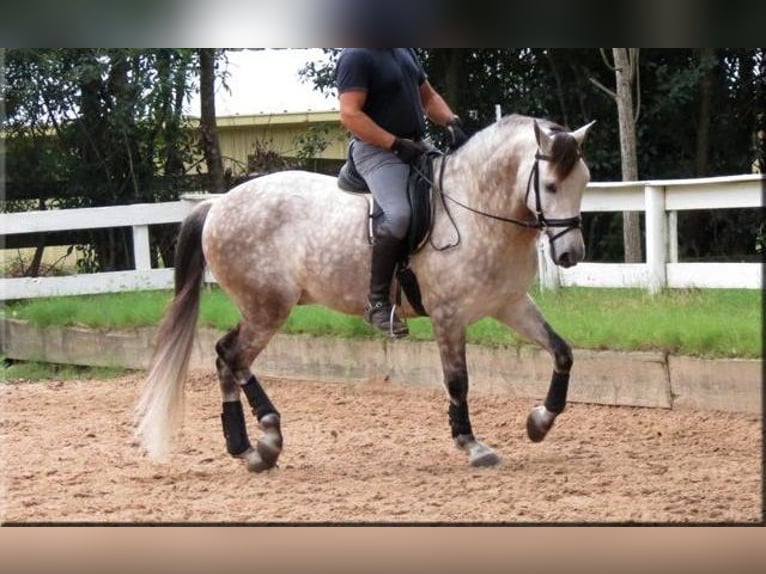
x: 555, y: 188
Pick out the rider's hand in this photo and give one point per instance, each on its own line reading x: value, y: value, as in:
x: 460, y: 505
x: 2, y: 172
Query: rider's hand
x: 408, y: 150
x: 456, y: 132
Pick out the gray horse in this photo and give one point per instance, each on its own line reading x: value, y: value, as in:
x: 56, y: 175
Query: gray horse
x: 294, y: 238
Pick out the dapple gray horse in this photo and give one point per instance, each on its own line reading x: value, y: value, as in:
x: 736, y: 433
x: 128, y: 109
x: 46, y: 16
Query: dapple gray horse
x: 294, y: 238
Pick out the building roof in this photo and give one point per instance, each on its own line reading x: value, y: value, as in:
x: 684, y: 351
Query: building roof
x: 286, y: 118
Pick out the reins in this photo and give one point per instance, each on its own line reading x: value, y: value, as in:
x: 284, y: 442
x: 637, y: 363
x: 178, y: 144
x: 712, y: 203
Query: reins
x: 540, y: 222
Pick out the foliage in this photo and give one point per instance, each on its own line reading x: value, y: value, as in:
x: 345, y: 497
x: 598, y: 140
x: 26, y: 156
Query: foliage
x: 760, y: 239
x: 310, y: 143
x: 95, y: 127
x: 263, y: 159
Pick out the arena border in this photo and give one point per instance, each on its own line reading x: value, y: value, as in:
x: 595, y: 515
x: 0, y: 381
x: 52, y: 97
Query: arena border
x: 639, y: 379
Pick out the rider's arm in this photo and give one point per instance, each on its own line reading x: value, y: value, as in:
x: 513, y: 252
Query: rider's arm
x: 359, y: 123
x: 434, y: 105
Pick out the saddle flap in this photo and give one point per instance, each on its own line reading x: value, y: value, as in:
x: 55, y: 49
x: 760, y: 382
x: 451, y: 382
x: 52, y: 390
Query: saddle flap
x: 350, y: 180
x: 419, y: 192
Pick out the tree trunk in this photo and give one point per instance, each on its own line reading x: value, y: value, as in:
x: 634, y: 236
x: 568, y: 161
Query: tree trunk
x: 37, y: 259
x: 625, y: 64
x: 208, y: 125
x: 453, y: 77
x: 707, y: 58
x: 559, y: 86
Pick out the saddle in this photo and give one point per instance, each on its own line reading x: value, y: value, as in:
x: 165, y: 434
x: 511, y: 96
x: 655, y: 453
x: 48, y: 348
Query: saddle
x: 419, y: 194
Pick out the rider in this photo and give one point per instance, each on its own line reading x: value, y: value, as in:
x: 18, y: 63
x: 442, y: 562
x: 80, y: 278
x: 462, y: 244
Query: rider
x: 384, y: 93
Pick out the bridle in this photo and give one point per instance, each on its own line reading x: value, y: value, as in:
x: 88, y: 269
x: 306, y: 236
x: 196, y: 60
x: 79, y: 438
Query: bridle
x: 540, y: 222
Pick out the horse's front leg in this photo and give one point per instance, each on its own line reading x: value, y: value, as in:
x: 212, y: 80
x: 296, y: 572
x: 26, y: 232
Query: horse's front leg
x: 451, y: 341
x: 526, y: 319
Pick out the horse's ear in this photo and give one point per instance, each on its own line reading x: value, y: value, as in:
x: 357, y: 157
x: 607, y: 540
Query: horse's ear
x: 544, y: 141
x: 580, y: 134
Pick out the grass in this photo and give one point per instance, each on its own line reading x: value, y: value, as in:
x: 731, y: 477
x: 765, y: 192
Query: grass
x: 33, y: 371
x: 711, y: 322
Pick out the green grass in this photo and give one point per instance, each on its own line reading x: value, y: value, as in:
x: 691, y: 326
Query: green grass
x: 111, y: 311
x: 33, y: 371
x: 711, y: 322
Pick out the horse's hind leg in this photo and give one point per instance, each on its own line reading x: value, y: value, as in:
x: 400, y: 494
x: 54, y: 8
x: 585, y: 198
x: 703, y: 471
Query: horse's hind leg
x: 236, y: 351
x: 451, y: 341
x: 526, y: 318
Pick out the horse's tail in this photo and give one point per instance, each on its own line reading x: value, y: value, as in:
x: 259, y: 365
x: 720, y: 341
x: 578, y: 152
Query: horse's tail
x: 159, y: 411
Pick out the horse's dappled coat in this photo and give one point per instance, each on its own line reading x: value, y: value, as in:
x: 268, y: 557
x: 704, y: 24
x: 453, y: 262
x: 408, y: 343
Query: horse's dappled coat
x: 294, y: 238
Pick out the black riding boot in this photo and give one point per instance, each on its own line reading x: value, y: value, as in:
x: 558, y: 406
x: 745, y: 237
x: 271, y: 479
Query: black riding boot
x: 379, y: 311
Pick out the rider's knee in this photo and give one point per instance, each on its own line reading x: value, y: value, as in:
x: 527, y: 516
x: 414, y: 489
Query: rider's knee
x: 394, y: 228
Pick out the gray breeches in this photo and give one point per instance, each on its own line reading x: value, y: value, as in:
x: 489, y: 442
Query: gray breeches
x: 386, y: 175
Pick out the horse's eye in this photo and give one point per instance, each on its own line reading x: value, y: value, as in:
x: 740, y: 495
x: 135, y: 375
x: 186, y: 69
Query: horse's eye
x: 550, y: 187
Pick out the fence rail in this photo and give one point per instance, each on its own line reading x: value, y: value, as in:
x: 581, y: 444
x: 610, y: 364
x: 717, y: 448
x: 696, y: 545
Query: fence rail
x: 660, y: 200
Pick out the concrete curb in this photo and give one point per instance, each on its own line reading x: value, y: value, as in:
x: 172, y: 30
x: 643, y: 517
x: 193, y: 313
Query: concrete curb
x: 602, y: 377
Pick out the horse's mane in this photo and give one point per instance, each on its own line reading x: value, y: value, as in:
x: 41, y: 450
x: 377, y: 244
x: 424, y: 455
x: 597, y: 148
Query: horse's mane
x: 565, y: 150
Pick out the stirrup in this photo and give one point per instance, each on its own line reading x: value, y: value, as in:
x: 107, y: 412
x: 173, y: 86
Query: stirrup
x: 380, y: 307
x: 405, y: 329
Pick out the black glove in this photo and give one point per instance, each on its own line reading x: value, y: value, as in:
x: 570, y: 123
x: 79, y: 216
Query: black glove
x: 408, y: 150
x: 457, y: 134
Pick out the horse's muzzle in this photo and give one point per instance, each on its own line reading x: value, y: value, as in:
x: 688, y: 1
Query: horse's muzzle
x: 569, y: 254
x: 566, y: 260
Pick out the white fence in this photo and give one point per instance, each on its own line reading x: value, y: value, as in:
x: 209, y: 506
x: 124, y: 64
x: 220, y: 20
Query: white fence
x: 138, y: 216
x: 660, y: 200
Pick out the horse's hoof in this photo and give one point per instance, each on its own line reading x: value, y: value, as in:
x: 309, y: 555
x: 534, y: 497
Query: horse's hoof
x: 487, y: 458
x: 260, y: 458
x: 253, y: 460
x: 267, y: 450
x: 539, y: 422
x: 479, y: 454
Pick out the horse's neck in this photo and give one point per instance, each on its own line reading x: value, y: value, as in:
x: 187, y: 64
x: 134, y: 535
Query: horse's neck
x: 491, y: 179
x: 494, y: 190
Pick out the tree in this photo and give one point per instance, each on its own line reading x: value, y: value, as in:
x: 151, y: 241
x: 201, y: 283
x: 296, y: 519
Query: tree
x: 208, y: 125
x: 92, y: 127
x: 626, y: 72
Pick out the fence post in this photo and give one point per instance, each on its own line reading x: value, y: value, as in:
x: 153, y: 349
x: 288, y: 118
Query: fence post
x: 656, y: 237
x: 547, y: 269
x: 673, y: 236
x: 141, y: 252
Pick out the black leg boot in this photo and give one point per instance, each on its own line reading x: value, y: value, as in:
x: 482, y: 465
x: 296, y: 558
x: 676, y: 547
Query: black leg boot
x: 379, y: 311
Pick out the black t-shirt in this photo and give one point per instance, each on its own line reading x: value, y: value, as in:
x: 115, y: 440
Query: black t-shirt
x: 392, y: 78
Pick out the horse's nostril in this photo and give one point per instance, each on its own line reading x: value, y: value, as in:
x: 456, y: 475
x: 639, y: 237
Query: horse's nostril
x: 565, y: 260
